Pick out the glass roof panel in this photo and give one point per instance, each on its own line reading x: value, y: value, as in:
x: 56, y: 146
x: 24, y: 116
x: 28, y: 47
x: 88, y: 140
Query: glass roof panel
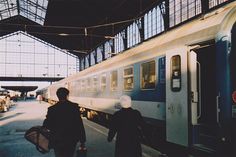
x: 8, y: 8
x: 34, y: 10
x: 27, y: 56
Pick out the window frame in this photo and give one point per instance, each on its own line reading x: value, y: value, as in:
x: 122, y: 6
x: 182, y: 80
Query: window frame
x: 78, y: 87
x: 141, y: 71
x: 179, y: 68
x: 83, y: 85
x: 111, y: 80
x: 103, y: 84
x: 128, y: 76
x: 95, y: 88
x: 88, y: 86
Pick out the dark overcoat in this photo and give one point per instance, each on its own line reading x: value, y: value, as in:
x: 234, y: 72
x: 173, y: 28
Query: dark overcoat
x: 127, y: 123
x: 65, y: 124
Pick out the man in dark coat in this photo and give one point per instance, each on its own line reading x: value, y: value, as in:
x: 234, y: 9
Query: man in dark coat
x: 127, y: 123
x: 65, y: 125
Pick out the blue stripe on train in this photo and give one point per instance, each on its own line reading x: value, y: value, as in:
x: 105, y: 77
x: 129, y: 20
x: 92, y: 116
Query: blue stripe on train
x: 158, y: 94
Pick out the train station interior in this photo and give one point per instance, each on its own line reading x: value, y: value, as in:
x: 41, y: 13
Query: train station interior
x: 174, y: 60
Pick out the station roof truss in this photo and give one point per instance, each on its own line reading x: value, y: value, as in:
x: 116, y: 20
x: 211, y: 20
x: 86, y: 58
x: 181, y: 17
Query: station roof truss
x: 34, y: 10
x: 59, y: 22
x: 36, y: 39
x: 20, y: 88
x: 88, y: 27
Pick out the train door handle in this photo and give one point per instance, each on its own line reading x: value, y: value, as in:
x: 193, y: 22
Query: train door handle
x: 199, y: 91
x: 171, y: 108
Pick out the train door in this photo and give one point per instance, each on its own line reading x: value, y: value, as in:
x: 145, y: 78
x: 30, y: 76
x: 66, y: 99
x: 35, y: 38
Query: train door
x: 233, y: 82
x: 203, y: 97
x: 177, y: 121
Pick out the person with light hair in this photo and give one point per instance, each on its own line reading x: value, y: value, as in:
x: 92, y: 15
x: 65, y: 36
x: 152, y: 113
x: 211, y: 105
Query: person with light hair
x: 127, y: 123
x: 39, y: 98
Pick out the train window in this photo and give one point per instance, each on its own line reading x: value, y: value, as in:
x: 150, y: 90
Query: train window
x: 95, y: 83
x: 114, y: 80
x: 129, y: 78
x: 71, y: 88
x: 78, y: 87
x: 83, y: 85
x: 89, y: 84
x: 176, y: 73
x: 148, y: 75
x: 103, y: 82
x: 74, y: 87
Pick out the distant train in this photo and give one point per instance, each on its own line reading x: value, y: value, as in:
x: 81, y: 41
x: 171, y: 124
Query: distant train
x: 183, y: 82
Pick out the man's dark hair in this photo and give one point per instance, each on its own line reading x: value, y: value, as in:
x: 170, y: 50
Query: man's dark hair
x: 62, y: 93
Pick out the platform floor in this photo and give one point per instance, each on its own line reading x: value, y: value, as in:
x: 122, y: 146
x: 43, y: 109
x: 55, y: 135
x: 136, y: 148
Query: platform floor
x: 26, y: 114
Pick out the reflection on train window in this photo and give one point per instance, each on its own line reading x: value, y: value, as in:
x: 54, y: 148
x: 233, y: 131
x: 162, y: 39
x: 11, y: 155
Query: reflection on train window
x: 89, y: 84
x: 114, y: 80
x: 128, y: 78
x: 103, y: 82
x: 95, y: 84
x: 148, y: 75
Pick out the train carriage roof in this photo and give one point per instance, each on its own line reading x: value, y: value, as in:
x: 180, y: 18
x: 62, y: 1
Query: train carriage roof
x: 208, y: 27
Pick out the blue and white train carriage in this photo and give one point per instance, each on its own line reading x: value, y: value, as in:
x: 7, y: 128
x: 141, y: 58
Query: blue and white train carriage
x: 182, y: 82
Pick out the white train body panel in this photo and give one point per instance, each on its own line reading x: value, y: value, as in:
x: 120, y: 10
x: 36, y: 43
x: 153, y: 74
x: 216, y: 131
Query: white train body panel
x: 175, y: 109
